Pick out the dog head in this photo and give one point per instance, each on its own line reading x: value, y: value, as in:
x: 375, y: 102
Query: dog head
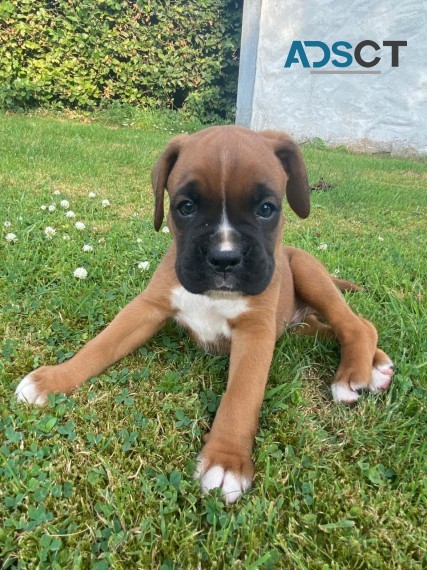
x: 226, y: 186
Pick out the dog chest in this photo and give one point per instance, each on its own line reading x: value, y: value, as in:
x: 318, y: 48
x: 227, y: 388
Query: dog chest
x: 206, y: 317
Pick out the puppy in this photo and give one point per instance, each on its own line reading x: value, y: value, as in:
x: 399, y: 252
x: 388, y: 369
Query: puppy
x: 229, y: 280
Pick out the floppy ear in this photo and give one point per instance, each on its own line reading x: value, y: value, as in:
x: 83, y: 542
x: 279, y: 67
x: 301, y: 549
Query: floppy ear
x: 297, y: 189
x: 160, y: 175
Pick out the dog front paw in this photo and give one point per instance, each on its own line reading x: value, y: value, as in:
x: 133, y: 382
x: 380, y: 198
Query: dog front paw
x: 29, y: 391
x: 232, y: 472
x: 34, y: 388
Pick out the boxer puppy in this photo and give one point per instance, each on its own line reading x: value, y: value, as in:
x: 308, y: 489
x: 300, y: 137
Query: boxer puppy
x: 229, y: 280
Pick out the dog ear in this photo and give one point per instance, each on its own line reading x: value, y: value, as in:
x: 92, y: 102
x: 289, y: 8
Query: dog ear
x: 297, y: 189
x: 160, y: 175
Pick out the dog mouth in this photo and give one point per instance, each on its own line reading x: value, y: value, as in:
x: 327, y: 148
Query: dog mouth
x: 225, y: 281
x: 219, y: 294
x: 201, y: 270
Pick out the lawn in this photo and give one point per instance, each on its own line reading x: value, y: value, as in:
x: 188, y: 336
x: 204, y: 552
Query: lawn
x: 103, y: 479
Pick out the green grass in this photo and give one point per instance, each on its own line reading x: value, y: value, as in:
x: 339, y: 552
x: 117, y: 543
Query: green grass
x: 103, y: 479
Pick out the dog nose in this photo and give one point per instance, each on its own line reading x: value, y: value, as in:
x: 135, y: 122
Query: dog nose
x: 224, y: 259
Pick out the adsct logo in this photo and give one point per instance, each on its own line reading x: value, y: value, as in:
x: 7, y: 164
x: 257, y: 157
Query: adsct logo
x: 342, y: 56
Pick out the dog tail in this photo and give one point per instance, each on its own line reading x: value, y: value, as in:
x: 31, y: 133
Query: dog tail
x: 345, y: 286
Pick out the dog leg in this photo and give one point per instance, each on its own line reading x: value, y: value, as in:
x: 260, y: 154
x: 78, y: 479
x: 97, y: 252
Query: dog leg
x: 225, y: 460
x: 382, y: 367
x: 362, y: 365
x: 312, y: 326
x: 133, y: 326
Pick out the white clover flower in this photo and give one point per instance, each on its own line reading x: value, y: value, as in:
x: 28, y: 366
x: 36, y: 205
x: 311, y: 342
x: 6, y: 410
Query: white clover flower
x: 105, y: 203
x: 49, y: 232
x: 70, y: 214
x: 11, y: 237
x: 52, y: 208
x: 139, y: 240
x: 92, y: 195
x: 56, y: 192
x: 323, y: 246
x: 64, y: 204
x: 380, y: 238
x: 43, y: 207
x: 165, y: 230
x: 80, y: 273
x: 66, y: 237
x: 80, y: 225
x: 7, y: 224
x: 87, y: 248
x: 144, y: 265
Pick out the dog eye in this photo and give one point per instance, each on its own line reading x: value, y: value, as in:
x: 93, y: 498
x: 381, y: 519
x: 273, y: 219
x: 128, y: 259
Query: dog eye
x: 266, y: 210
x: 187, y: 207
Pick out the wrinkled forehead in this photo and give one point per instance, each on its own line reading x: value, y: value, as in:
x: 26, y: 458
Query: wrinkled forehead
x: 228, y: 165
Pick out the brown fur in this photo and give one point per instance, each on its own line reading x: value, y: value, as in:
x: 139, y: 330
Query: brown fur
x: 300, y: 286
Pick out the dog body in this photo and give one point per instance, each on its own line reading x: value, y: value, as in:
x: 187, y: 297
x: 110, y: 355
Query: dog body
x: 229, y: 280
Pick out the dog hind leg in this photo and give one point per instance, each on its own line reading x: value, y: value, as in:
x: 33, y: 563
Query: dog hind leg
x: 311, y: 325
x: 363, y: 365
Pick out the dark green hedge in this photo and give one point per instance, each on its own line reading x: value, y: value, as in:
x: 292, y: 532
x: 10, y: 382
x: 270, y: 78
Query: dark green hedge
x: 86, y: 53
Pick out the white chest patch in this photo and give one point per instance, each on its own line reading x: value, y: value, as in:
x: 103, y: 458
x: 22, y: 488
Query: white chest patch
x: 206, y: 317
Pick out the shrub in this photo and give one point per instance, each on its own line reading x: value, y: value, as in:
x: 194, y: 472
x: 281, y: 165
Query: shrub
x: 152, y: 53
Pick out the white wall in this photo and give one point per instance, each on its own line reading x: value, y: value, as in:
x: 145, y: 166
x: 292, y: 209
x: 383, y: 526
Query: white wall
x: 378, y: 112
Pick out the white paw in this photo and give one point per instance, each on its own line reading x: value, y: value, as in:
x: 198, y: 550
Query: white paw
x: 381, y: 377
x: 27, y: 392
x: 344, y: 394
x: 231, y: 484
